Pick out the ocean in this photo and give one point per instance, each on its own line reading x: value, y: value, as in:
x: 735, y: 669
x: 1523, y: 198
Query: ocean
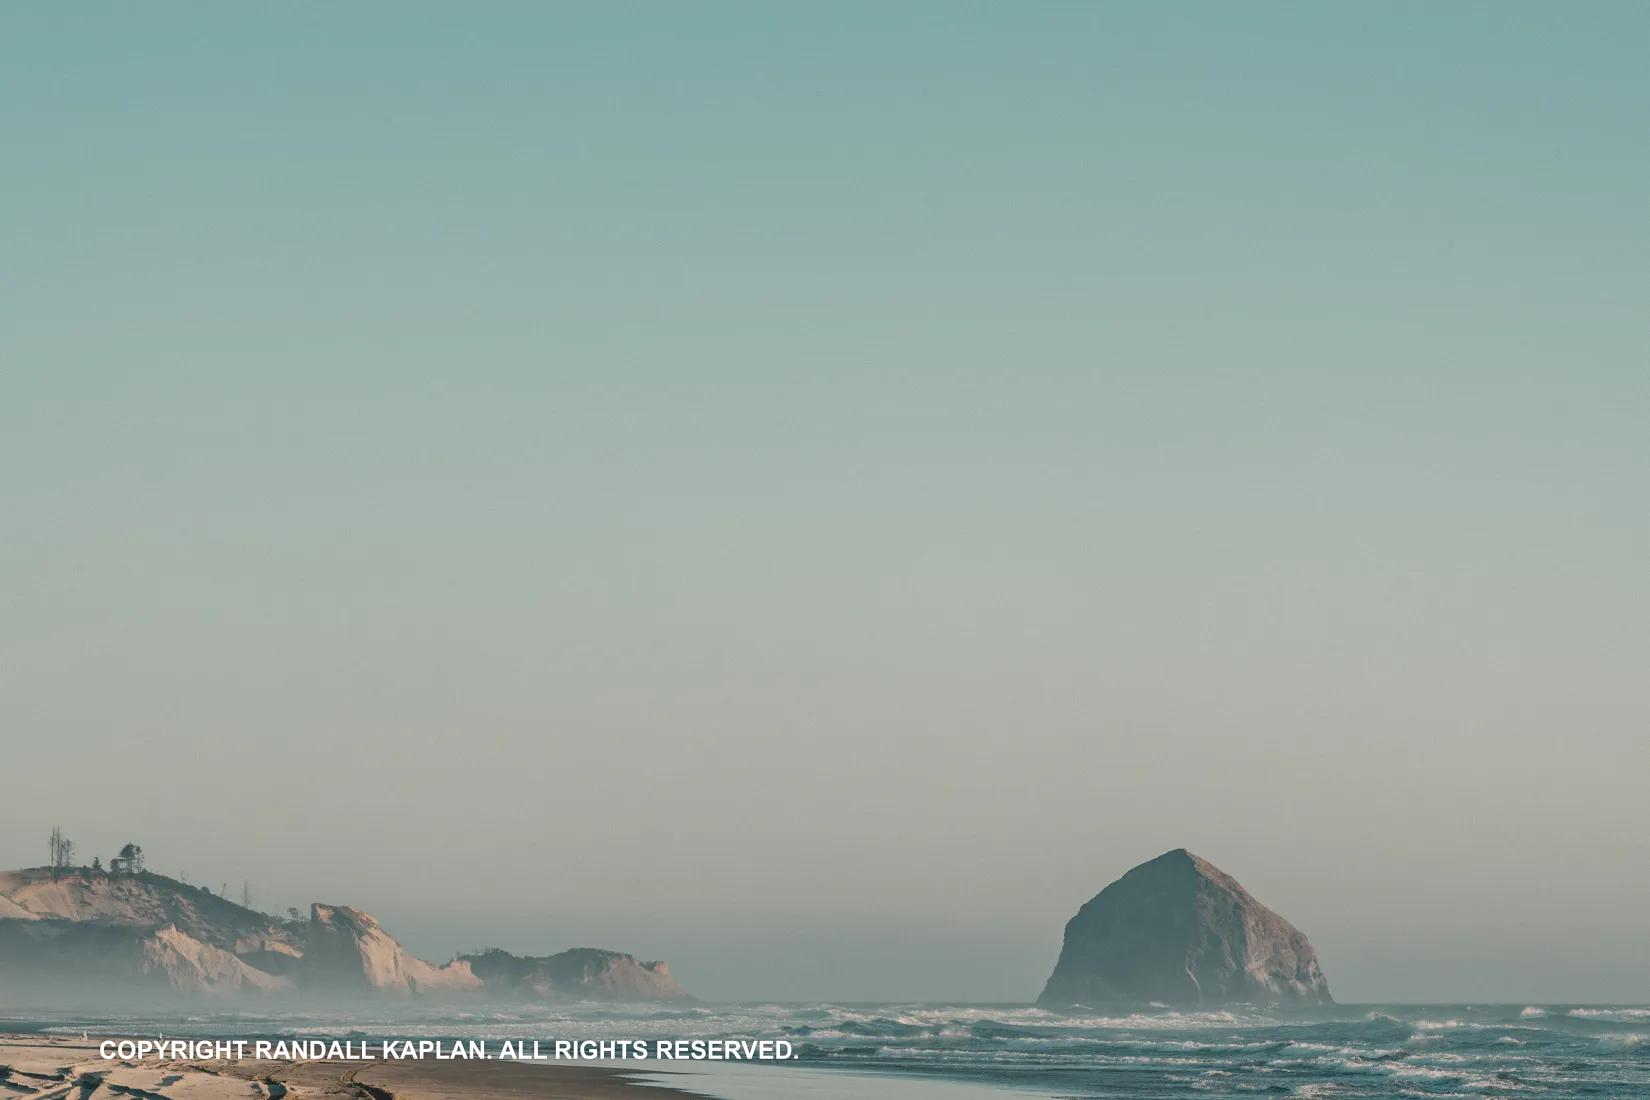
x: 921, y: 1051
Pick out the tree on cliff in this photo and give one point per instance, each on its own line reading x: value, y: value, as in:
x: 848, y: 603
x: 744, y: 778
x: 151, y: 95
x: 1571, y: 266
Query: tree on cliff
x: 62, y: 850
x: 129, y: 861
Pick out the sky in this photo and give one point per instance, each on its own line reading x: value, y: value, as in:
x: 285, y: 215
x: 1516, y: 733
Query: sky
x: 814, y: 492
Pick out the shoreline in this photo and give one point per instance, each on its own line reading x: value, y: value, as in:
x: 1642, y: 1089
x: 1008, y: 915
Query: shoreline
x: 34, y: 1065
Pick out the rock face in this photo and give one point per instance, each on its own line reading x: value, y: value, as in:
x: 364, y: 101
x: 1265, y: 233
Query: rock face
x: 53, y: 959
x: 1180, y: 931
x: 191, y: 966
x: 142, y: 900
x: 346, y: 951
x: 584, y: 973
x: 83, y: 936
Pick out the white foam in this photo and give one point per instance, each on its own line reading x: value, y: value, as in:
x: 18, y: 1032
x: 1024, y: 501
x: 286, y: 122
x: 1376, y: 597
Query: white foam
x: 753, y: 1082
x: 1615, y: 1015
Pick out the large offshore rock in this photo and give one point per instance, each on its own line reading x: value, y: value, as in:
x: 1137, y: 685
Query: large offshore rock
x: 1180, y: 931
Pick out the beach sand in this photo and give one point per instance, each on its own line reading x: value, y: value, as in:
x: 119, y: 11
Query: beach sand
x: 36, y: 1066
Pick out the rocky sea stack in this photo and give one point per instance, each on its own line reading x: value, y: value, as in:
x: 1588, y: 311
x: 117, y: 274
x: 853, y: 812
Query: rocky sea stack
x: 1180, y: 931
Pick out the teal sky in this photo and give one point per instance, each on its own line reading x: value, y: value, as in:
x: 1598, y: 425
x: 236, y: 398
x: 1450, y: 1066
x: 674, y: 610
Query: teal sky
x: 815, y: 491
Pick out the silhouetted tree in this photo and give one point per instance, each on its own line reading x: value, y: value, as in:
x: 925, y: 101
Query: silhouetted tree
x: 62, y: 850
x: 129, y: 861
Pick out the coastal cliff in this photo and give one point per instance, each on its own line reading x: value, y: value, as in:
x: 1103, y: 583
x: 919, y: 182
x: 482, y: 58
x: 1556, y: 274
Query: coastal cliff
x: 53, y: 959
x: 141, y: 900
x: 584, y: 973
x: 1178, y: 930
x: 79, y: 931
x: 346, y: 950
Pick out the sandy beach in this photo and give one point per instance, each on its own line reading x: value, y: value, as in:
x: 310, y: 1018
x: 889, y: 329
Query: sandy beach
x: 71, y: 1069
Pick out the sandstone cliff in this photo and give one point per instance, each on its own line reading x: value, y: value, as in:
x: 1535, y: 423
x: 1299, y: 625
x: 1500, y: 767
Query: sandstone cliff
x: 347, y: 951
x: 143, y: 901
x: 53, y: 957
x: 191, y: 966
x: 584, y: 973
x: 145, y: 934
x: 1178, y: 930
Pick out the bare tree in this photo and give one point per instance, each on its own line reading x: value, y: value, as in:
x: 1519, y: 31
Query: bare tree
x: 246, y: 894
x: 62, y: 850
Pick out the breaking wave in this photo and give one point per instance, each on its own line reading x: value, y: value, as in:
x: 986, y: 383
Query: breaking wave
x: 1511, y: 1052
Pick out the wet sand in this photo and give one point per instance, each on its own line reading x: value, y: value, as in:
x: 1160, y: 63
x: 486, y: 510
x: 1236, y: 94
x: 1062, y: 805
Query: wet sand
x: 37, y: 1067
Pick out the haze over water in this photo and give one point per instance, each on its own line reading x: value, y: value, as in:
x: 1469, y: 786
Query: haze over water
x: 814, y: 492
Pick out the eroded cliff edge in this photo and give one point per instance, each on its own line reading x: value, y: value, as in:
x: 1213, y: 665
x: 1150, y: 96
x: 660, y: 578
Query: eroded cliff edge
x: 79, y: 933
x: 588, y: 973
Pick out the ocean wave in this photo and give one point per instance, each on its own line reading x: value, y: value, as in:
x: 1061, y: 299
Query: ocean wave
x: 1363, y: 1053
x: 1611, y: 1015
x: 1437, y: 1025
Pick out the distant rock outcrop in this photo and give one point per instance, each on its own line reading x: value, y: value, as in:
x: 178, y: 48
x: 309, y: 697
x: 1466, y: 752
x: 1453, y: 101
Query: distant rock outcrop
x: 56, y: 958
x: 346, y: 950
x: 584, y: 973
x: 73, y: 932
x: 191, y: 966
x: 140, y: 900
x: 1179, y: 931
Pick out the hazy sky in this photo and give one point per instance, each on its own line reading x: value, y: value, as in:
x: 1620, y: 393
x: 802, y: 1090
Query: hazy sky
x: 814, y: 492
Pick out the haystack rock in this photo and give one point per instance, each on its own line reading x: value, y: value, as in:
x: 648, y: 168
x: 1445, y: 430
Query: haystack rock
x: 1180, y: 931
x: 346, y: 951
x: 584, y: 973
